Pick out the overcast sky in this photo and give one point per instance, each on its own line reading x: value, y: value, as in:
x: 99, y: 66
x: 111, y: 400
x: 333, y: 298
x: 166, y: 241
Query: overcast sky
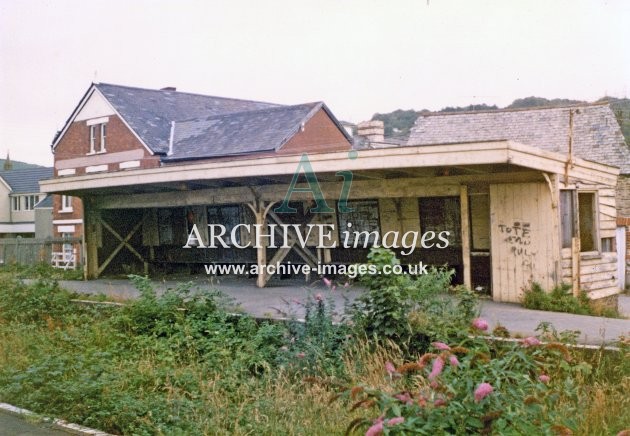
x: 360, y: 57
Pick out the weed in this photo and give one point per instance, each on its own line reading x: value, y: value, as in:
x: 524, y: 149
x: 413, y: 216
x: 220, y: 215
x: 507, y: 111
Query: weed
x: 561, y: 299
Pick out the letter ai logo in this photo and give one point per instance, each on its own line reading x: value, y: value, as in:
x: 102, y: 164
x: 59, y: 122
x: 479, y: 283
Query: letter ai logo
x: 305, y: 167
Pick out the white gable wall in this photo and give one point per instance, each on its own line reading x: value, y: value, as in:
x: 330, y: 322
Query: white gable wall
x: 96, y: 106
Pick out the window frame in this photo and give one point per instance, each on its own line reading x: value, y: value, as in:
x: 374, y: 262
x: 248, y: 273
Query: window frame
x: 573, y: 216
x: 16, y: 203
x: 101, y: 129
x: 597, y: 248
x: 66, y: 204
x: 30, y: 201
x: 92, y: 138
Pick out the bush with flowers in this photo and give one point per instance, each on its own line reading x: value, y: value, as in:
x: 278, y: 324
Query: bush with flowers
x: 471, y: 387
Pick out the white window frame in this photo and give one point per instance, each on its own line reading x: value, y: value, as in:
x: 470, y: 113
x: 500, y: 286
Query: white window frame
x: 92, y: 138
x: 103, y: 137
x: 16, y: 203
x: 102, y: 140
x: 30, y: 201
x: 66, y: 203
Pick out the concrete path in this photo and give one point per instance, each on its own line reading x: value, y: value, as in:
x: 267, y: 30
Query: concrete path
x: 11, y: 425
x: 283, y: 297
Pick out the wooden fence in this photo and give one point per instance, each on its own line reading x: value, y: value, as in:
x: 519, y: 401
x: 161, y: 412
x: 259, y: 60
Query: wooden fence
x: 60, y: 252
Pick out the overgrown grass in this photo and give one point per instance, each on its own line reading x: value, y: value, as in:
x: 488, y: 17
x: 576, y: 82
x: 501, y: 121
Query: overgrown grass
x: 41, y: 270
x: 180, y: 364
x: 561, y: 299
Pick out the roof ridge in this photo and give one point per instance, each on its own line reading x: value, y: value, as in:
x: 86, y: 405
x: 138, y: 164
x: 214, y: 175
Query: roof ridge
x: 253, y: 111
x: 19, y: 170
x: 523, y: 109
x: 188, y: 93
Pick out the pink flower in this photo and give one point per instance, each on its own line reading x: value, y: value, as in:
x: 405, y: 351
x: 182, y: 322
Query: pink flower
x: 301, y: 355
x: 544, y: 378
x: 319, y: 297
x: 346, y: 285
x: 390, y: 368
x: 438, y: 366
x: 376, y: 429
x: 530, y: 342
x: 480, y: 324
x: 482, y: 391
x: 404, y: 398
x: 441, y: 346
x: 395, y: 421
x: 434, y: 384
x: 453, y: 360
x: 439, y: 402
x: 327, y: 282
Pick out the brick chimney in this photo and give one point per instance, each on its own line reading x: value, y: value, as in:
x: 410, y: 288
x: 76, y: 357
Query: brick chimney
x: 169, y: 88
x: 373, y: 131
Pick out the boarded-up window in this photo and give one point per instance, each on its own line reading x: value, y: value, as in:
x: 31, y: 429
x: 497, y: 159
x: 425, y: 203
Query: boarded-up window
x: 480, y: 222
x: 363, y: 222
x: 586, y: 220
x: 439, y: 214
x: 229, y: 216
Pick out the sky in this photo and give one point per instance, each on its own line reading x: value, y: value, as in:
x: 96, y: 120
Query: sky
x: 359, y: 56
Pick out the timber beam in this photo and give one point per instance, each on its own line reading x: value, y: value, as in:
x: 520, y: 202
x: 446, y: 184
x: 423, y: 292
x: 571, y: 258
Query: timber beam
x: 361, y: 189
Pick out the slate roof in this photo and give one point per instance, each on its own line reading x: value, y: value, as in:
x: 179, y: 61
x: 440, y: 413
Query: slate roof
x: 46, y: 203
x: 596, y: 133
x: 149, y: 112
x: 26, y: 181
x: 239, y: 133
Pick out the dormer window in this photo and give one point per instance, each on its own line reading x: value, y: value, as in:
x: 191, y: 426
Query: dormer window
x: 98, y: 135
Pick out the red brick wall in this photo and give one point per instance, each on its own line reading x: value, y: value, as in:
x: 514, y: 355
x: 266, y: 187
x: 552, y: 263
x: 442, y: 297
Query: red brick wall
x: 320, y: 135
x: 77, y: 213
x: 623, y: 195
x: 76, y: 144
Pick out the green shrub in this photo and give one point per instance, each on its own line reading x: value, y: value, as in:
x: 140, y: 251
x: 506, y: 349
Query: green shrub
x: 411, y: 309
x: 189, y: 367
x: 41, y: 301
x: 382, y: 310
x: 561, y: 299
x: 317, y: 345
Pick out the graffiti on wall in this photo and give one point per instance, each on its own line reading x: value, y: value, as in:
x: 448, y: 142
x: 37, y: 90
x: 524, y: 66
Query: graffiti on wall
x: 518, y: 237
